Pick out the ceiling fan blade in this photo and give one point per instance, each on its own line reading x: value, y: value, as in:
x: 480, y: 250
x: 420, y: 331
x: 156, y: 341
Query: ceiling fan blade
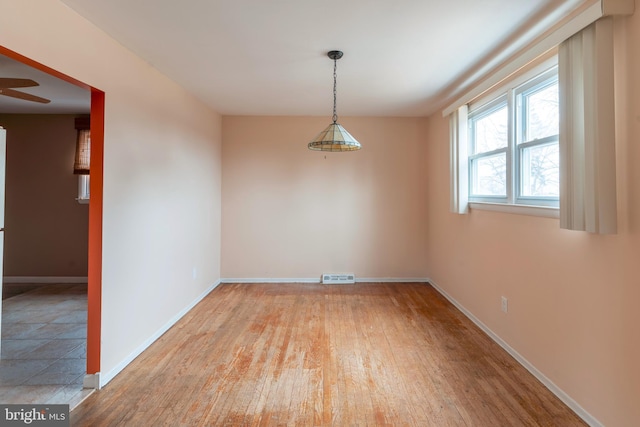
x: 21, y: 95
x: 7, y: 82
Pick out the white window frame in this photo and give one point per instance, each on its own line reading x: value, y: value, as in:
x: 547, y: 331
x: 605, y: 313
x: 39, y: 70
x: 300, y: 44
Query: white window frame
x: 539, y: 82
x: 83, y: 189
x: 478, y: 112
x: 510, y: 94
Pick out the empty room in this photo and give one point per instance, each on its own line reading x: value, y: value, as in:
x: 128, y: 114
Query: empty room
x: 416, y: 213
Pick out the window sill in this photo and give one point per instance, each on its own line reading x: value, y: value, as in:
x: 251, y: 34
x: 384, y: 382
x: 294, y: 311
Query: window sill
x: 543, y: 211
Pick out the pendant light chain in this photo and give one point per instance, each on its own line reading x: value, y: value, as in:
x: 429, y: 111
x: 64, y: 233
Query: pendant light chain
x: 334, y: 137
x: 335, y: 81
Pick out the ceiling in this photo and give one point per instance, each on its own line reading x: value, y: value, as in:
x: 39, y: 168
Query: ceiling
x: 66, y: 98
x: 256, y: 57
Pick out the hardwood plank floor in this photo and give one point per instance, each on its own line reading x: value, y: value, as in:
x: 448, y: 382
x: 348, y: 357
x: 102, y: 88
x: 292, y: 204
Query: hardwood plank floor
x: 317, y: 355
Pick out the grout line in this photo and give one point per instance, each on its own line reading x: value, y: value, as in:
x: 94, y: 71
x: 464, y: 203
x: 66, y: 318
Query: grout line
x: 60, y: 347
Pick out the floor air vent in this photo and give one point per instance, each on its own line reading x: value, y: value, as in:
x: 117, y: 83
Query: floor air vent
x: 334, y: 279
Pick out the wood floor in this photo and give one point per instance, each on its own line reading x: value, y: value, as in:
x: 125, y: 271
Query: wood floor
x: 324, y: 355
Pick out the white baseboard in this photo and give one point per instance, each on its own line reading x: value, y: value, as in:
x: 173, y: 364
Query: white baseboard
x: 44, y: 279
x: 91, y: 381
x: 104, y: 379
x: 392, y: 280
x: 317, y: 280
x: 271, y: 280
x: 579, y: 410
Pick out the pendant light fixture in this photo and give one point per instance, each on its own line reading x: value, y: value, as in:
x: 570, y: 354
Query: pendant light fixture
x: 334, y: 137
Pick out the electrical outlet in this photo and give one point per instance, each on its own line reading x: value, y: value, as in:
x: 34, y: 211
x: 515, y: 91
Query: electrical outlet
x: 505, y: 304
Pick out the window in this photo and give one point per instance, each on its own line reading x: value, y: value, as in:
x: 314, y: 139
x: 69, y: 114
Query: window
x: 522, y: 177
x: 513, y: 149
x: 83, y: 189
x: 82, y: 158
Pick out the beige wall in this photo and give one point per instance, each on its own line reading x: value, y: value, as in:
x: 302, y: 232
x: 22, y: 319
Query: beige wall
x: 161, y: 175
x: 46, y: 228
x: 289, y: 212
x: 573, y: 296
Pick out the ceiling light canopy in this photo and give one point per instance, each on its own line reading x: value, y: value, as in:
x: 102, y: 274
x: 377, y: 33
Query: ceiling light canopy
x: 334, y: 137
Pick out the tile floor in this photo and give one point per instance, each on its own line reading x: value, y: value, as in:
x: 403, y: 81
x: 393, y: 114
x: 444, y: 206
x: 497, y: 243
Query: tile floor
x: 43, y: 346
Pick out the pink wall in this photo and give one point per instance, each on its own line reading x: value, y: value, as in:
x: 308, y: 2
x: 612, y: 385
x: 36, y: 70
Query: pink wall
x: 162, y: 176
x: 573, y: 296
x: 288, y: 212
x: 46, y: 228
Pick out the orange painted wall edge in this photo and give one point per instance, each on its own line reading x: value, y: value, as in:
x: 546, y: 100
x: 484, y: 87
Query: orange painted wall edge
x: 94, y: 296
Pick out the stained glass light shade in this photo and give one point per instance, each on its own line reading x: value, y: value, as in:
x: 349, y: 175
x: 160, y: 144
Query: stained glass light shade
x: 334, y: 138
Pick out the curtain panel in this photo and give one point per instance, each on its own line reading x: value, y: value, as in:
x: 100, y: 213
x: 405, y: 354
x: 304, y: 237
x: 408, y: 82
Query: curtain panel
x: 458, y: 161
x: 587, y: 130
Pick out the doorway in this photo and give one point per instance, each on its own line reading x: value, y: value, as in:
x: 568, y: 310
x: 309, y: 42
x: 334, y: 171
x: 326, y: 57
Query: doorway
x: 94, y: 258
x: 44, y: 305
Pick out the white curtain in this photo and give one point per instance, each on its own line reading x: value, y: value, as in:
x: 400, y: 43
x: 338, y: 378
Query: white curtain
x: 587, y: 130
x: 458, y: 167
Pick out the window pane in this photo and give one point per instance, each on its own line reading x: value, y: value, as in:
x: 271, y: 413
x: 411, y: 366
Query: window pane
x: 542, y: 117
x: 490, y: 131
x: 540, y: 171
x: 489, y: 175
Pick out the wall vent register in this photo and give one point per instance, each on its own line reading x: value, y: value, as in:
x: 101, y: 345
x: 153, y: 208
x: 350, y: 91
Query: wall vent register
x: 334, y: 279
